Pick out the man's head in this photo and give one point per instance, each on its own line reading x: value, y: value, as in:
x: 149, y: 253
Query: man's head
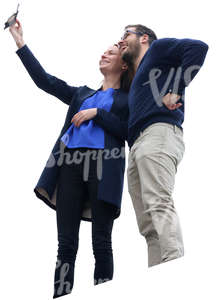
x: 135, y: 41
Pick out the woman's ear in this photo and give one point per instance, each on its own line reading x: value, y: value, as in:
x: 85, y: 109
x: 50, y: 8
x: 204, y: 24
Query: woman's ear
x: 124, y: 67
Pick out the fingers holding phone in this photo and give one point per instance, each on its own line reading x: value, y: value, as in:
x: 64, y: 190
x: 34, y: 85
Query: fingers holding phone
x: 17, y: 33
x: 12, y: 19
x: 15, y: 28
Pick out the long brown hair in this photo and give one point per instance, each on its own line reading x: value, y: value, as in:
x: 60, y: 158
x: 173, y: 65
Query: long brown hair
x: 127, y: 77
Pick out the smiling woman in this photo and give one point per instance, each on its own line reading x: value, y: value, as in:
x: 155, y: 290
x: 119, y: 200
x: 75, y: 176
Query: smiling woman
x: 99, y: 122
x: 111, y: 63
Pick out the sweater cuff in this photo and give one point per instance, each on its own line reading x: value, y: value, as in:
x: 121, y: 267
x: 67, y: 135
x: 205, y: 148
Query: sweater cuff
x: 22, y: 50
x: 98, y: 115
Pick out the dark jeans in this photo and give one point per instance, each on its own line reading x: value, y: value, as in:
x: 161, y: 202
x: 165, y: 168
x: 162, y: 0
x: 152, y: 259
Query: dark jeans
x: 71, y: 194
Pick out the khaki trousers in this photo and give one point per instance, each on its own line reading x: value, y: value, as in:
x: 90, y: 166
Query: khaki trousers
x: 152, y: 165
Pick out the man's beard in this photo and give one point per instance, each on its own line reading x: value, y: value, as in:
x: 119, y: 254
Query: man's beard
x: 129, y: 56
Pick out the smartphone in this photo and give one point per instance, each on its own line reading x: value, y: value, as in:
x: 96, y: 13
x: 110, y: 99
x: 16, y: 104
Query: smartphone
x: 12, y: 19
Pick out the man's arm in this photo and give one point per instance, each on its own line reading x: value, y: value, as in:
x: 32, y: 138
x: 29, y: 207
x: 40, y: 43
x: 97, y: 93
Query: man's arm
x: 188, y: 54
x: 42, y: 79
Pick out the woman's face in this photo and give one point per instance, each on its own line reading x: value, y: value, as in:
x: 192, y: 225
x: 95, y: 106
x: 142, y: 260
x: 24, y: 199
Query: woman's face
x: 111, y: 61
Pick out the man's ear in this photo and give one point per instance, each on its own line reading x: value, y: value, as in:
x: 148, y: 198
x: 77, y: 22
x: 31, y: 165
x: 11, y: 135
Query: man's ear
x: 144, y: 38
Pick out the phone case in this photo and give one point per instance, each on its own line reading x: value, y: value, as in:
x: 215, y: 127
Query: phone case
x: 12, y: 19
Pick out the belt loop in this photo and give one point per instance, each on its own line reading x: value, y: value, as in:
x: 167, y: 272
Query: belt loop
x: 175, y: 129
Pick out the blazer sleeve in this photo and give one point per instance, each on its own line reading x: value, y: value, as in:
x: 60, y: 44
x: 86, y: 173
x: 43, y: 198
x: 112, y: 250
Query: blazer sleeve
x: 111, y: 123
x: 42, y: 79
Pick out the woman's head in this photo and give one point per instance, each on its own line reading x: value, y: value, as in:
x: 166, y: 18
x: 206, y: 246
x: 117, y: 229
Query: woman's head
x: 111, y: 64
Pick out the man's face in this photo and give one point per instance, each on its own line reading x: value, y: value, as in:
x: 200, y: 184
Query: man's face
x: 130, y: 46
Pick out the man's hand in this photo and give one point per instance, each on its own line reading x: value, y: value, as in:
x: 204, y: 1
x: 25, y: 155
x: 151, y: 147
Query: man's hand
x: 84, y: 115
x: 170, y: 101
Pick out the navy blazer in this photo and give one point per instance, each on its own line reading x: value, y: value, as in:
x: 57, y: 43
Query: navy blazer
x: 114, y: 123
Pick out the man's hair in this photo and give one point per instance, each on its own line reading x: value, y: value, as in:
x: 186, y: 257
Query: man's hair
x: 144, y: 30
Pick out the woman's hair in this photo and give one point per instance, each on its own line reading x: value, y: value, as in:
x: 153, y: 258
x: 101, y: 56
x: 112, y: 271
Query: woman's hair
x: 127, y: 77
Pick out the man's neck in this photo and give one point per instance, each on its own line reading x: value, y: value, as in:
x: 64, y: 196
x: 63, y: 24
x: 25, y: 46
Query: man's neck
x: 140, y: 57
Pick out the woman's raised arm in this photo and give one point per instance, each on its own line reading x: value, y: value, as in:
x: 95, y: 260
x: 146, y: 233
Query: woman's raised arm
x: 42, y: 79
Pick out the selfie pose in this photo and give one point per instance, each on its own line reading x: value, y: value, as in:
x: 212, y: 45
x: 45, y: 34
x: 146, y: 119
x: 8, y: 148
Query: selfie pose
x: 83, y: 177
x: 164, y: 67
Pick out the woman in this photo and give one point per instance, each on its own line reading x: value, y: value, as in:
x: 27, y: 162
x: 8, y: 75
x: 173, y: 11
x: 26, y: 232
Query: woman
x: 83, y: 177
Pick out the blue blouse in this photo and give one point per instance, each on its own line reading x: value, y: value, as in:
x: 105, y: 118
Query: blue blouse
x: 89, y: 134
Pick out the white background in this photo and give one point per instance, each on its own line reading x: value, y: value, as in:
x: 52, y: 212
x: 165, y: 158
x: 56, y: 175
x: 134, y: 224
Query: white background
x: 68, y: 37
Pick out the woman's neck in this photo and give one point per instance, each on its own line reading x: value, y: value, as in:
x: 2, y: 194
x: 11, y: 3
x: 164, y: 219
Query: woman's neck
x: 111, y: 81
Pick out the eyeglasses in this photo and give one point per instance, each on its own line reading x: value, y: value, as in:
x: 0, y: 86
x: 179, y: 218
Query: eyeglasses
x: 126, y: 34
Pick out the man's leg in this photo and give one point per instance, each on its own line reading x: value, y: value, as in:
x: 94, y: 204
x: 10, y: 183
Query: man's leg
x: 151, y: 175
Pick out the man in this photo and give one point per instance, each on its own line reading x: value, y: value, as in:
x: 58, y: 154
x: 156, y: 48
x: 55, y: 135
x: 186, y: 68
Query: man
x: 164, y: 67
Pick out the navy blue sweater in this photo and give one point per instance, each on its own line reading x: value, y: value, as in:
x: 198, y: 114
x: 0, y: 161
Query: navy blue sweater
x: 171, y: 64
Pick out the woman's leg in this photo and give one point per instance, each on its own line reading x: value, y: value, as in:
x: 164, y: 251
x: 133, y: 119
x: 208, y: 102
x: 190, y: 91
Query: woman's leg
x: 69, y: 205
x: 102, y: 224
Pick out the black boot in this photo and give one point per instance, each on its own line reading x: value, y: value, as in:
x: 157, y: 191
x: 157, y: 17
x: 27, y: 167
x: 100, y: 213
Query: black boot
x: 103, y: 266
x: 64, y: 278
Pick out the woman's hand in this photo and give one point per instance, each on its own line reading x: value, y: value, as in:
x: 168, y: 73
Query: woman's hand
x: 17, y: 33
x: 84, y: 115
